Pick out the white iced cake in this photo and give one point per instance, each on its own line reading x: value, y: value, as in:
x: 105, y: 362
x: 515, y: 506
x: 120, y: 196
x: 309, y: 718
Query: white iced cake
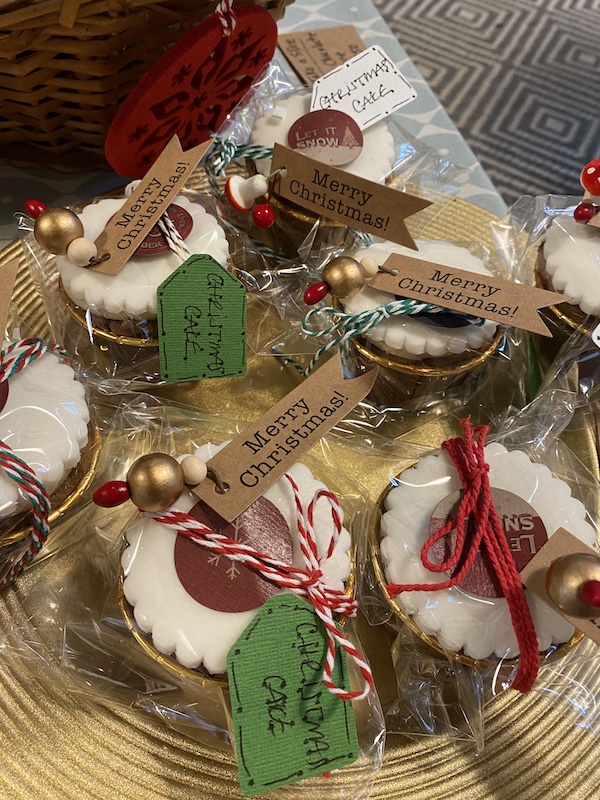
x: 44, y: 420
x: 572, y: 262
x: 194, y: 603
x: 410, y: 338
x: 474, y: 617
x: 132, y: 291
x: 374, y: 162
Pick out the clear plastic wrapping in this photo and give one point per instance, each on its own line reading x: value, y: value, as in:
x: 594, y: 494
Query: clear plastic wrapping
x: 456, y: 647
x: 390, y: 155
x: 548, y: 248
x: 92, y: 637
x: 430, y: 362
x: 108, y: 323
x: 49, y: 443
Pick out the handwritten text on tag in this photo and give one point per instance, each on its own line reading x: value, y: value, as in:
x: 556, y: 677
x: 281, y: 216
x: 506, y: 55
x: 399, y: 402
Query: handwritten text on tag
x: 368, y: 88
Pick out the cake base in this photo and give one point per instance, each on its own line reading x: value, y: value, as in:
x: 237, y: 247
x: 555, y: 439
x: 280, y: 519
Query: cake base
x: 413, y: 384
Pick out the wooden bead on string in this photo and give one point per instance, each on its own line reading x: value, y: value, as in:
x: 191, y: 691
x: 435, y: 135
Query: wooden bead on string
x: 81, y: 251
x: 344, y: 276
x: 56, y: 228
x: 194, y: 470
x: 369, y: 267
x: 155, y: 481
x: 567, y: 577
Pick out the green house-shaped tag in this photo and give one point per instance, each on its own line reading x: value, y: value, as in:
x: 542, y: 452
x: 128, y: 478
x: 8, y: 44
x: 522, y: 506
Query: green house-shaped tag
x: 201, y: 322
x: 287, y: 725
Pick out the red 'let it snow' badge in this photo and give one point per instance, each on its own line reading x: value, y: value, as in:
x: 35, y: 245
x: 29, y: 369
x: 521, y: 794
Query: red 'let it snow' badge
x: 191, y: 89
x: 331, y: 137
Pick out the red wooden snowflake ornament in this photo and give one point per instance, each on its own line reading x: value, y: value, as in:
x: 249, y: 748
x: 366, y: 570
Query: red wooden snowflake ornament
x: 191, y: 89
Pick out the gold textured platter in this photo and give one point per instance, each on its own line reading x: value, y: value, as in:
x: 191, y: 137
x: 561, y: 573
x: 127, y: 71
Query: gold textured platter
x: 58, y: 745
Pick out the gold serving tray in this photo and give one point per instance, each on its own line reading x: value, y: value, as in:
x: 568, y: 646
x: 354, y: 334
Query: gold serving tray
x: 59, y: 746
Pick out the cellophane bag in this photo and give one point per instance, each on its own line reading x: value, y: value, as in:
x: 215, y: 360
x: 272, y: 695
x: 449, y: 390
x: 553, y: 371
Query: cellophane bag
x: 101, y: 609
x: 549, y: 249
x: 49, y: 444
x: 244, y: 144
x: 430, y: 361
x: 108, y: 323
x: 457, y: 647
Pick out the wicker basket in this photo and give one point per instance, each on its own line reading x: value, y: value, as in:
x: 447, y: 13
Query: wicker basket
x: 65, y: 65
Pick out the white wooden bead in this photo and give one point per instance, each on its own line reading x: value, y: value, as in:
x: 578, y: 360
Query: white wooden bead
x: 80, y: 251
x: 131, y: 187
x: 370, y: 267
x: 194, y: 470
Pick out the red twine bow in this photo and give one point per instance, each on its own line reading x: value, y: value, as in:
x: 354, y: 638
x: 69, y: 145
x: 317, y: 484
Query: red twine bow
x: 467, y: 453
x: 306, y: 582
x: 226, y: 17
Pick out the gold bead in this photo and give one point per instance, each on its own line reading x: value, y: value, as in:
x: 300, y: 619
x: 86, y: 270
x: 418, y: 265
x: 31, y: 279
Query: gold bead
x: 56, y: 228
x: 565, y: 578
x: 344, y: 276
x: 155, y: 481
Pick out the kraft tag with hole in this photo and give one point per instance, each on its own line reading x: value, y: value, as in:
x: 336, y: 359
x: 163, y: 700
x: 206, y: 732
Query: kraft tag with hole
x: 268, y: 447
x: 201, y: 322
x: 287, y: 725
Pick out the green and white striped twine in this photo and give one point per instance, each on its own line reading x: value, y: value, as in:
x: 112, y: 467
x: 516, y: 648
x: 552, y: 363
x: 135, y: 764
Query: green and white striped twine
x: 349, y: 326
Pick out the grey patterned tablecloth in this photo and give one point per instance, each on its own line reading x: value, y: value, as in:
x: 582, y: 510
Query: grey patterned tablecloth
x: 424, y: 118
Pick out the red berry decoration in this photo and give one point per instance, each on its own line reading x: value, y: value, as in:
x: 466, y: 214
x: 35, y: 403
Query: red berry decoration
x: 589, y: 593
x: 111, y: 494
x: 315, y: 293
x: 590, y: 177
x: 584, y: 213
x: 191, y: 89
x: 263, y: 215
x: 34, y: 208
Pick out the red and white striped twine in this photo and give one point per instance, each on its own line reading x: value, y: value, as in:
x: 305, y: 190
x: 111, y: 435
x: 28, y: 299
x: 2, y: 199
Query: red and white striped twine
x: 14, y: 358
x: 226, y: 17
x: 305, y: 582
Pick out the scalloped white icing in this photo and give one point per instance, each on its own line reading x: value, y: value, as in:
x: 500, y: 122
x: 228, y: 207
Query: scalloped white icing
x: 481, y: 627
x: 407, y: 338
x: 572, y: 254
x: 132, y: 291
x: 45, y: 423
x: 179, y: 625
x: 374, y: 162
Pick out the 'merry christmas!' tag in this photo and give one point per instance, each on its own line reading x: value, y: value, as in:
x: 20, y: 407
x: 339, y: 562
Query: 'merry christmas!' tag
x: 466, y: 292
x: 201, y: 322
x: 287, y: 725
x: 268, y: 447
x: 9, y: 276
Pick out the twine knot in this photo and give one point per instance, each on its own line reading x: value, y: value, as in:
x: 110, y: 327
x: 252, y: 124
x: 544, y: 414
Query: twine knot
x: 14, y: 358
x: 307, y: 582
x: 467, y: 454
x: 226, y: 17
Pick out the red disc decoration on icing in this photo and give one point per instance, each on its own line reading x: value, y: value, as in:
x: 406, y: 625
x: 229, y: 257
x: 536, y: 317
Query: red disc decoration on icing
x: 191, y: 89
x: 327, y: 135
x: 155, y: 242
x: 222, y: 584
x: 523, y: 529
x: 3, y: 394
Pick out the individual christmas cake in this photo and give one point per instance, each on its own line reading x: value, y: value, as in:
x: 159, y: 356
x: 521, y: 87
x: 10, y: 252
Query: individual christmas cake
x: 570, y: 262
x: 425, y: 336
x: 195, y: 603
x: 373, y: 163
x: 473, y: 618
x: 131, y: 293
x: 44, y: 420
